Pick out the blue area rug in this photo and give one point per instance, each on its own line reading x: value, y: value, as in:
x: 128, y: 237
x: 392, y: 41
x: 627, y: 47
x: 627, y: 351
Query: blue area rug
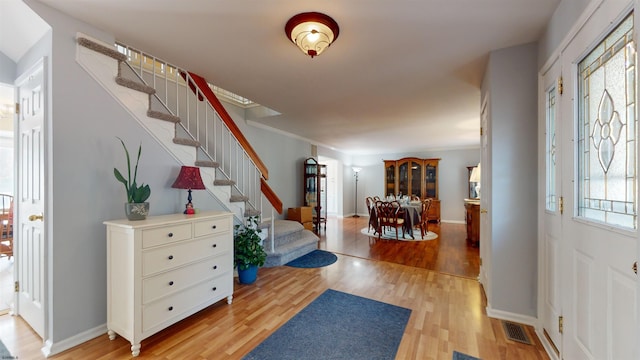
x: 314, y: 259
x: 337, y: 325
x: 461, y: 356
x: 4, y: 353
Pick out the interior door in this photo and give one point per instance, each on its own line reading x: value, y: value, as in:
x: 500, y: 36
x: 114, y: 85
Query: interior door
x: 30, y: 197
x: 484, y: 192
x: 551, y: 246
x: 599, y: 166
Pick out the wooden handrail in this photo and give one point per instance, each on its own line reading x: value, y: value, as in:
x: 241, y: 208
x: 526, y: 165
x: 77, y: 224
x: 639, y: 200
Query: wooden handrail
x: 271, y: 196
x: 202, y: 84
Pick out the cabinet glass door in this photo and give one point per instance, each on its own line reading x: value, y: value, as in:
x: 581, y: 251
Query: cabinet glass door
x: 403, y: 178
x: 390, y: 179
x: 430, y: 179
x: 416, y: 179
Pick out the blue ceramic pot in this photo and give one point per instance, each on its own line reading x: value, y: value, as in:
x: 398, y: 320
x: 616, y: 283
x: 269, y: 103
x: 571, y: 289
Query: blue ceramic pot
x: 248, y: 276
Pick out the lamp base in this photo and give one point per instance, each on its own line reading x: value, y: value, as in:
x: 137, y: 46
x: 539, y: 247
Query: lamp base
x: 188, y: 208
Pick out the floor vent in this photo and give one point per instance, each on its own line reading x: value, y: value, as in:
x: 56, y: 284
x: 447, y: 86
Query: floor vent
x: 515, y: 332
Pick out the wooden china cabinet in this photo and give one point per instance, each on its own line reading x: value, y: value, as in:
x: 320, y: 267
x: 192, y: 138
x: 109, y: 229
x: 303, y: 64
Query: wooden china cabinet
x: 414, y: 176
x: 315, y: 191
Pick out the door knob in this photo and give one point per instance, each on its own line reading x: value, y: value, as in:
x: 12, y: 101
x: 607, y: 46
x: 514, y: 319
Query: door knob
x: 36, y: 217
x: 483, y: 211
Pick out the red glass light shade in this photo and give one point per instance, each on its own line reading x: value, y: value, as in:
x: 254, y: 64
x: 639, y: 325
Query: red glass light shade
x: 189, y: 178
x: 312, y: 32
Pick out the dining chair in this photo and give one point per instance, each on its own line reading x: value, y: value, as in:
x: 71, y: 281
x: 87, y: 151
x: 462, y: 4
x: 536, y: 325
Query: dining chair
x: 376, y: 198
x: 370, y: 207
x: 6, y: 226
x: 389, y: 214
x: 424, y: 217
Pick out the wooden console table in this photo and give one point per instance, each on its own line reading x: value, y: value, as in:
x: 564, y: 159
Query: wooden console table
x: 472, y: 217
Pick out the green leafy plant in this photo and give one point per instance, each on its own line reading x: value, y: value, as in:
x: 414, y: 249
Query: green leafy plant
x: 135, y: 193
x: 247, y: 249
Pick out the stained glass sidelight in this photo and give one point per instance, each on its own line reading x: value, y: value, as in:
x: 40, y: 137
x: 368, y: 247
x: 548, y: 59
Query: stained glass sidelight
x: 607, y: 125
x: 550, y: 157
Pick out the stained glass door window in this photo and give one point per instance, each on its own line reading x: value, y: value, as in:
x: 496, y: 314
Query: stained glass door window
x: 607, y: 125
x: 551, y: 150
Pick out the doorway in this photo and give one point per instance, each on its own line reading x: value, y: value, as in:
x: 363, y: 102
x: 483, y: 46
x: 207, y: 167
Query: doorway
x: 7, y: 182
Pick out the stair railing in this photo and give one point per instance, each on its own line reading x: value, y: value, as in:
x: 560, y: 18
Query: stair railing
x: 179, y: 93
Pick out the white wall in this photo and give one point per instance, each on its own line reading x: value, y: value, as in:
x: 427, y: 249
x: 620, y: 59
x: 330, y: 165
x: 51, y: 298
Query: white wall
x: 511, y: 84
x: 7, y: 69
x: 561, y: 22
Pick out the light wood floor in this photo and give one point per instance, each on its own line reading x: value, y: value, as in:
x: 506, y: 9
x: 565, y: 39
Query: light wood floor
x: 447, y: 310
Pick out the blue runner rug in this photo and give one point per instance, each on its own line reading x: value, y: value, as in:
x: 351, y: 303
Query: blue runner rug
x: 4, y: 353
x: 314, y: 259
x: 461, y: 356
x: 337, y: 325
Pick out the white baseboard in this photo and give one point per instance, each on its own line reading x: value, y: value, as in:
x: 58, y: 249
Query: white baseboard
x: 547, y: 345
x: 509, y: 316
x: 50, y: 348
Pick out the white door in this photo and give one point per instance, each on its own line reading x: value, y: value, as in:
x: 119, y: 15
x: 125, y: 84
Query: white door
x: 551, y: 246
x: 30, y: 197
x: 485, y: 195
x: 599, y: 178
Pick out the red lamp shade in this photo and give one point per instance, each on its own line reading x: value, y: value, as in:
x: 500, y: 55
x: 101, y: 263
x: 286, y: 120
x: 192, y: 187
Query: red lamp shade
x: 189, y: 178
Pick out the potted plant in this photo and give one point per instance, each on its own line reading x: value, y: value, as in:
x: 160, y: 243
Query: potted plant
x: 136, y: 207
x: 248, y: 253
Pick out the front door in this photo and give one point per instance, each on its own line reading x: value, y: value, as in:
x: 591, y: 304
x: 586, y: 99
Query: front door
x: 599, y: 179
x: 551, y: 244
x: 30, y: 197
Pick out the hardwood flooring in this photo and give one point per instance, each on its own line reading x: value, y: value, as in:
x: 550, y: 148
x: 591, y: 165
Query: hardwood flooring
x: 447, y: 311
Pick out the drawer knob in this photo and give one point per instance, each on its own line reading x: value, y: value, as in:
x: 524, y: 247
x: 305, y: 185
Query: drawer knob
x: 170, y: 308
x: 214, y: 288
x: 215, y: 267
x: 213, y: 227
x: 170, y: 257
x: 170, y: 234
x: 170, y: 283
x: 215, y: 245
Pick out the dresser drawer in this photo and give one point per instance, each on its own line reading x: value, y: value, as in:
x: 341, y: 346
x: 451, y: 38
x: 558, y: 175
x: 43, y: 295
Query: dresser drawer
x: 171, y: 308
x: 165, y: 235
x: 211, y: 227
x: 182, y: 278
x: 178, y: 254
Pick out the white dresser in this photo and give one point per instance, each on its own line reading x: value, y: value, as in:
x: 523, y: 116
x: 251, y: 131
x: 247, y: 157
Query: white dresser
x: 164, y: 269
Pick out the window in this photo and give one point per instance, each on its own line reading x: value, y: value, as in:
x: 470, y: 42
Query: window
x: 607, y: 130
x: 550, y: 157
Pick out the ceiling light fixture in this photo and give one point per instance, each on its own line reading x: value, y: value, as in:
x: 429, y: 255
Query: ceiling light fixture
x: 312, y: 32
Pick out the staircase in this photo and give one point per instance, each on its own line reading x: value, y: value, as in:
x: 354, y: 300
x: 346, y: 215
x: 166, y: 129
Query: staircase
x: 180, y: 110
x: 291, y: 240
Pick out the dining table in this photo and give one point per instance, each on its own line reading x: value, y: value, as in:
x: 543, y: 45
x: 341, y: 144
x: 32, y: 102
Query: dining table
x: 411, y: 215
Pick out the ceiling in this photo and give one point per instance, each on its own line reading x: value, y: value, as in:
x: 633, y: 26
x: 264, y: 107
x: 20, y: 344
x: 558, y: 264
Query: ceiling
x: 403, y: 75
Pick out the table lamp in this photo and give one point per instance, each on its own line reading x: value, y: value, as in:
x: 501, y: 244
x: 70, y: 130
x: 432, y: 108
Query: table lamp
x: 189, y: 178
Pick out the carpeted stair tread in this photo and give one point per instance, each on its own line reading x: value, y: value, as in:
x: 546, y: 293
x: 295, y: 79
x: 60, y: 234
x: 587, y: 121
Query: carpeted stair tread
x: 188, y: 142
x: 305, y: 243
x: 131, y: 84
x: 223, y: 182
x: 207, y: 163
x: 105, y: 50
x: 162, y: 116
x: 252, y: 212
x: 238, y: 198
x: 286, y: 227
x: 292, y: 240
